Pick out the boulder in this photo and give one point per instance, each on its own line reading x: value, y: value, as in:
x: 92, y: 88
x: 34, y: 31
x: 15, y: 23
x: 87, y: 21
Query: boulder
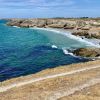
x: 24, y: 25
x: 95, y: 35
x: 81, y: 33
x: 80, y: 23
x: 41, y: 23
x: 87, y: 52
x: 85, y: 28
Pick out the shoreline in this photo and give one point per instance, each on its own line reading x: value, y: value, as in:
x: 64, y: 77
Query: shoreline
x: 95, y: 42
x: 68, y: 33
x: 54, y: 83
x: 52, y: 71
x: 69, y: 79
x: 63, y: 33
x: 90, y: 25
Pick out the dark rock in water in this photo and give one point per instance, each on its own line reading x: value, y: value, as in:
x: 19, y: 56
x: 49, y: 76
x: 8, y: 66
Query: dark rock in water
x: 87, y: 52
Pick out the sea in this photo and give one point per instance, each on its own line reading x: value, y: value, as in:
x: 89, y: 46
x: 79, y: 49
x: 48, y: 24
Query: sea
x: 25, y: 51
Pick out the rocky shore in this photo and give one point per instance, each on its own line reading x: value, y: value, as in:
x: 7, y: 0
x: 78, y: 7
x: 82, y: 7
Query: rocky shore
x: 89, y: 28
x: 73, y: 82
x: 85, y: 28
x: 87, y: 52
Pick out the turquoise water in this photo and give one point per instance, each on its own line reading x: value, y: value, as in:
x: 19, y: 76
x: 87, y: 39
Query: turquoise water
x: 25, y: 51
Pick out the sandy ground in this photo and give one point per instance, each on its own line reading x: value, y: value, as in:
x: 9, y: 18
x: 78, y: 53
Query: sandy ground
x: 6, y: 88
x: 89, y: 93
x: 70, y: 83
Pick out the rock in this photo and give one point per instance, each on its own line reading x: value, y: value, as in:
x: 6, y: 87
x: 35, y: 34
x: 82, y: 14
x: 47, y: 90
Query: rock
x: 41, y: 23
x: 24, y: 25
x: 96, y: 35
x: 56, y: 26
x: 69, y: 27
x: 54, y: 23
x: 80, y: 23
x: 78, y: 28
x: 14, y: 23
x: 85, y: 28
x: 49, y: 21
x: 87, y: 34
x: 81, y: 33
x: 96, y: 24
x: 87, y: 52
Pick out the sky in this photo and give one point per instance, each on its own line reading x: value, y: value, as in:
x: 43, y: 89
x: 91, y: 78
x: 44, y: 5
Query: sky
x: 49, y: 8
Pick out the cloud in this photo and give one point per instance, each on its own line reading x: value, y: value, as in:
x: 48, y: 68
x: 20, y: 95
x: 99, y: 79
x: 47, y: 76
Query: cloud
x: 49, y: 8
x: 35, y: 3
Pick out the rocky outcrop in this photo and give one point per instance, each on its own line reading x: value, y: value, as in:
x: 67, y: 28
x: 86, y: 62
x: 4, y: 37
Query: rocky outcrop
x: 87, y: 52
x: 56, y: 25
x: 81, y: 33
x: 15, y: 23
x: 87, y: 34
x: 81, y: 23
x: 85, y: 28
x: 80, y: 27
x: 53, y: 23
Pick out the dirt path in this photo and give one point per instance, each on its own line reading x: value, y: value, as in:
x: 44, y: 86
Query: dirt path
x: 71, y: 91
x: 5, y: 88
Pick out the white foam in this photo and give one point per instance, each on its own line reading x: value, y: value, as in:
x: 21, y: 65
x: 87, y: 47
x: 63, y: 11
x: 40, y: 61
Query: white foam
x: 69, y: 35
x: 16, y: 26
x: 66, y: 52
x: 54, y: 46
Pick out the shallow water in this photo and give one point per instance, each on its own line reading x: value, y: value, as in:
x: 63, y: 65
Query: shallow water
x: 26, y: 51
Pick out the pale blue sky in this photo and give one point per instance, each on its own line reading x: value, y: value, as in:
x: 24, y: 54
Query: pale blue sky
x: 49, y: 8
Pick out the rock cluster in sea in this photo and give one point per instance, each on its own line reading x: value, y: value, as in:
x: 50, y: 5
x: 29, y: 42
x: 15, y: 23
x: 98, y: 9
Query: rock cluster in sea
x: 87, y: 52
